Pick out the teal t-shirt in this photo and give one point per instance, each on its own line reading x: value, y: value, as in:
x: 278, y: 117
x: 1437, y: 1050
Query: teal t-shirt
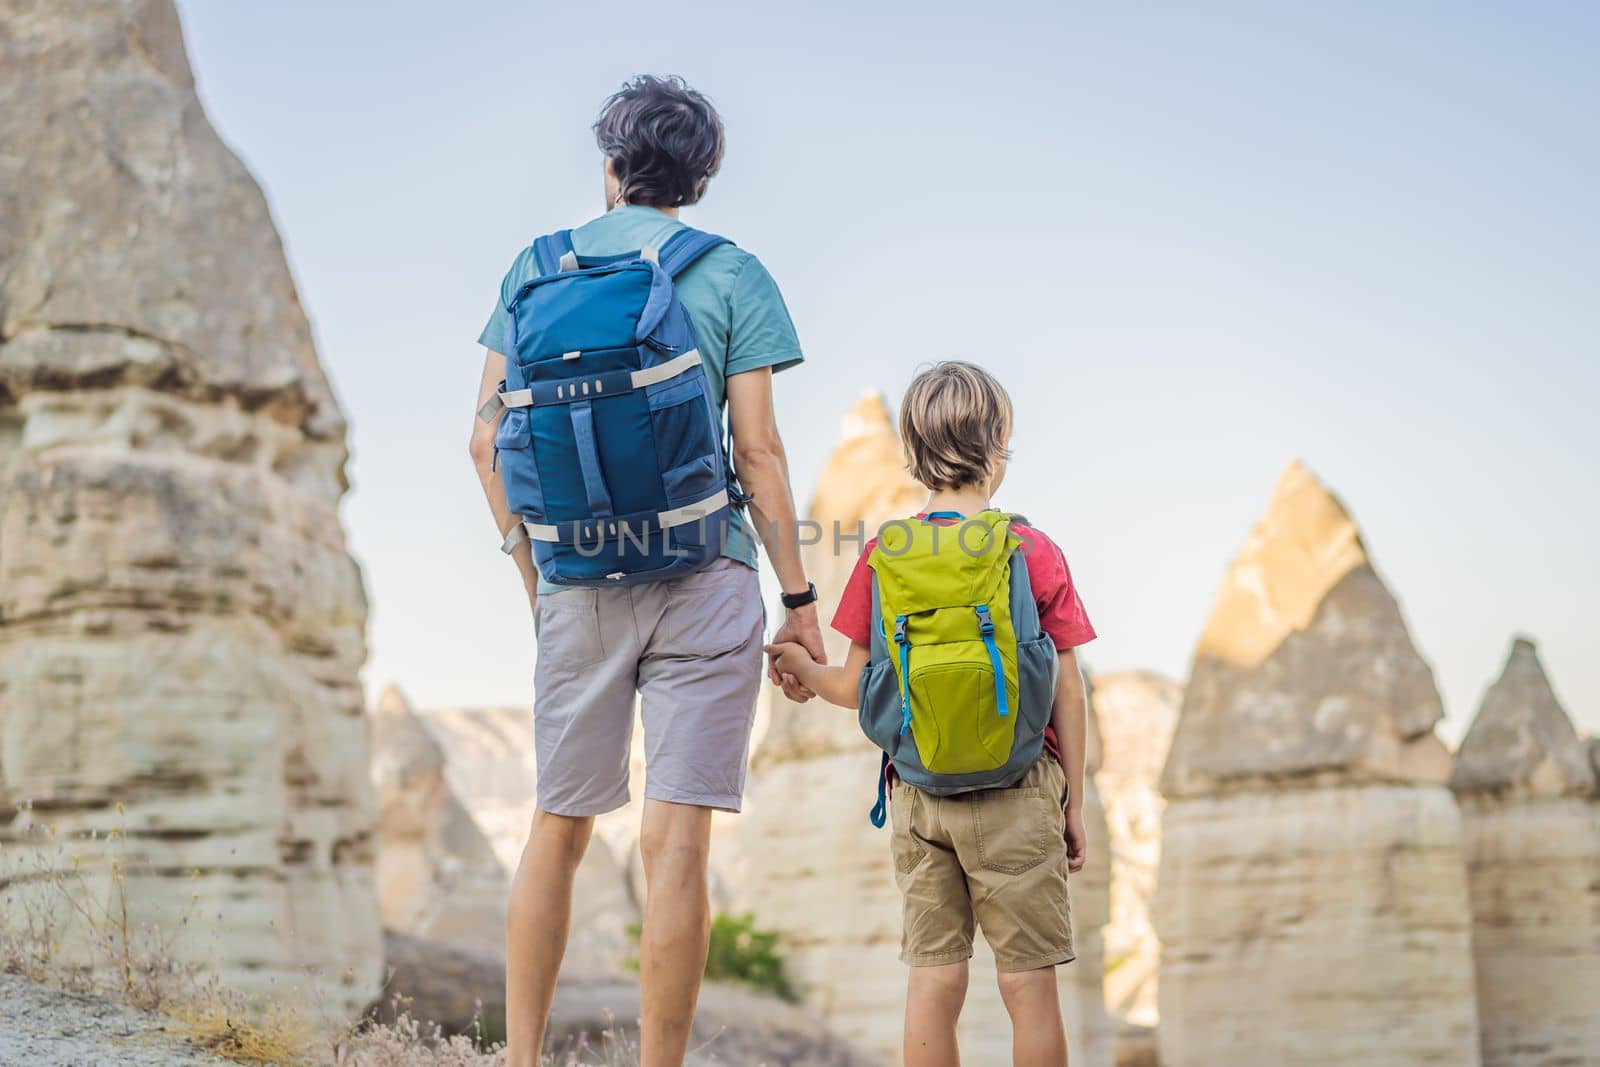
x: 740, y: 320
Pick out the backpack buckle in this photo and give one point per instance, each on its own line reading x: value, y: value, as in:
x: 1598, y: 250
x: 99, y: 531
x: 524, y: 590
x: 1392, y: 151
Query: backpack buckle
x: 985, y: 623
x: 900, y: 630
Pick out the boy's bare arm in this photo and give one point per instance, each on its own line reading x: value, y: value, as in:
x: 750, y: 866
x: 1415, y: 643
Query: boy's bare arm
x: 1070, y: 717
x: 837, y: 684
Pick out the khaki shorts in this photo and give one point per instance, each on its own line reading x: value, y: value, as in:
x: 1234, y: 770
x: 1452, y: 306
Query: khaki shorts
x: 689, y: 649
x: 997, y: 857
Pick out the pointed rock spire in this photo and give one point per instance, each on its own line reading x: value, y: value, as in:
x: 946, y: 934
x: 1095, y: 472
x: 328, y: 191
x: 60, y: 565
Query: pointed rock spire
x: 1306, y: 668
x: 392, y: 701
x: 865, y: 478
x: 863, y: 484
x: 402, y: 748
x: 1521, y: 738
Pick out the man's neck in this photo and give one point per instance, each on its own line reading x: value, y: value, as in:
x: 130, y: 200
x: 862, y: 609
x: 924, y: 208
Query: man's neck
x: 670, y: 212
x: 968, y: 500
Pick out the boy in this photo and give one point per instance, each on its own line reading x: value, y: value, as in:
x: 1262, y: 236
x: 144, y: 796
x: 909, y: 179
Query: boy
x: 976, y: 856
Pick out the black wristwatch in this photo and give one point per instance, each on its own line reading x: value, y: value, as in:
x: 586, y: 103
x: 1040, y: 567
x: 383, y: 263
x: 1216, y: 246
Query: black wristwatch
x: 799, y: 600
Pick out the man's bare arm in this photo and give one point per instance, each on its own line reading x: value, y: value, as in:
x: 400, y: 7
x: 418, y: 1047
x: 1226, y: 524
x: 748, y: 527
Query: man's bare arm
x: 763, y: 468
x: 482, y: 448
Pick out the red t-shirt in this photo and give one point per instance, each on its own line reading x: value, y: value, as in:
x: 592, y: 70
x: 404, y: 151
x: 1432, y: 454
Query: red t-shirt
x: 1061, y: 613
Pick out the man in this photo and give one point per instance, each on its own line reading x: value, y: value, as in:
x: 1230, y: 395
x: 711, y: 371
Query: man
x: 691, y: 646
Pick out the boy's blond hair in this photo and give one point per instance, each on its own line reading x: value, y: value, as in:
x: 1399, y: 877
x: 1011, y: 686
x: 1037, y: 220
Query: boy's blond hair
x: 954, y: 423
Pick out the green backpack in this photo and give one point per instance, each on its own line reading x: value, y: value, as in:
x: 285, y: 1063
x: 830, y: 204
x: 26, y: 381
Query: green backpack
x: 958, y: 690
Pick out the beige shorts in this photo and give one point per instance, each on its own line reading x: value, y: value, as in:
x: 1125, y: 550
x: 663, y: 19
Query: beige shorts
x: 689, y: 648
x: 996, y: 857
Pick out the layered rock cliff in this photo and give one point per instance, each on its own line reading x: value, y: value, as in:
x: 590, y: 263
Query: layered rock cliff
x: 817, y: 871
x: 1311, y: 900
x: 180, y: 624
x: 1527, y: 794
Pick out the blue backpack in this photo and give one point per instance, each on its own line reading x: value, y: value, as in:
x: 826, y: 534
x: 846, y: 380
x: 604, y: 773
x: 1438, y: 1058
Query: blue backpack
x: 610, y: 449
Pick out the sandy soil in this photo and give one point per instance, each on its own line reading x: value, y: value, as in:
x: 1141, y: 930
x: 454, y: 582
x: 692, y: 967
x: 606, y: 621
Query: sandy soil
x: 41, y: 1026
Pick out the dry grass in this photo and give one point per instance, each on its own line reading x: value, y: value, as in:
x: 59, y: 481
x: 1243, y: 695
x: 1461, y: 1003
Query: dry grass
x: 65, y: 922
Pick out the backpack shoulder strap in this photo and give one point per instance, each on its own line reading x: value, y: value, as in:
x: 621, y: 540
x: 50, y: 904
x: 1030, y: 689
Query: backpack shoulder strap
x: 553, y: 253
x: 685, y: 247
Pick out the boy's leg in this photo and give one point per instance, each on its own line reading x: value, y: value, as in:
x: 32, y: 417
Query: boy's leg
x: 1014, y: 853
x: 936, y: 913
x: 538, y: 916
x: 934, y: 996
x: 1038, y: 1037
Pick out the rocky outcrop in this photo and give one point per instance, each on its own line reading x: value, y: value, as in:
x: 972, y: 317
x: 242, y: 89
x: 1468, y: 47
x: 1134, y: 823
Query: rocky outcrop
x: 1527, y: 794
x: 180, y: 624
x: 1311, y: 898
x: 456, y: 797
x: 733, y: 1027
x: 802, y: 858
x: 491, y: 768
x: 1136, y: 712
x: 1305, y: 668
x: 1521, y: 744
x: 438, y: 875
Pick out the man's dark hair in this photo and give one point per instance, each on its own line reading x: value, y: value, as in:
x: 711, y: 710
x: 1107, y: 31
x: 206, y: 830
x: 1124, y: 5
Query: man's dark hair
x: 664, y: 140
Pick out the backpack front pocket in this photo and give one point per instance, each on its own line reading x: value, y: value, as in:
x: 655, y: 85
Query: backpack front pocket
x: 683, y: 422
x: 954, y: 719
x: 691, y: 481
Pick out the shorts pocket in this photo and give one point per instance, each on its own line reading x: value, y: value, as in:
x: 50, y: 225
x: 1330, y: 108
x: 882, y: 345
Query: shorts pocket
x: 566, y: 627
x: 1012, y: 827
x: 908, y: 851
x: 710, y: 612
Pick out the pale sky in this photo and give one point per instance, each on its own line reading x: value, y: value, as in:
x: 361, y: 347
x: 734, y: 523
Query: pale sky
x: 1192, y: 244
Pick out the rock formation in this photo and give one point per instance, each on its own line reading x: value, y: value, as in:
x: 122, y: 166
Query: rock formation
x: 1136, y: 712
x: 438, y: 875
x: 491, y: 767
x: 1311, y: 900
x: 180, y: 624
x: 455, y: 792
x: 1527, y: 795
x: 805, y: 837
x: 733, y: 1026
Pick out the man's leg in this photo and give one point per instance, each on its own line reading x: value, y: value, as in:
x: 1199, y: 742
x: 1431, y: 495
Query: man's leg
x: 934, y: 996
x: 537, y: 919
x: 675, y: 843
x: 1038, y: 1038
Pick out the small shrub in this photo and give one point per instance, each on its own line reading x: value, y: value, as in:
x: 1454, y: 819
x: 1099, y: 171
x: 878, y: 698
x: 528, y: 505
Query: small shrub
x: 739, y: 952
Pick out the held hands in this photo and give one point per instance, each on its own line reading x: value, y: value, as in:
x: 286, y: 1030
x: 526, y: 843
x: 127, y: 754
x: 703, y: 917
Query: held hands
x: 789, y: 658
x: 799, y: 636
